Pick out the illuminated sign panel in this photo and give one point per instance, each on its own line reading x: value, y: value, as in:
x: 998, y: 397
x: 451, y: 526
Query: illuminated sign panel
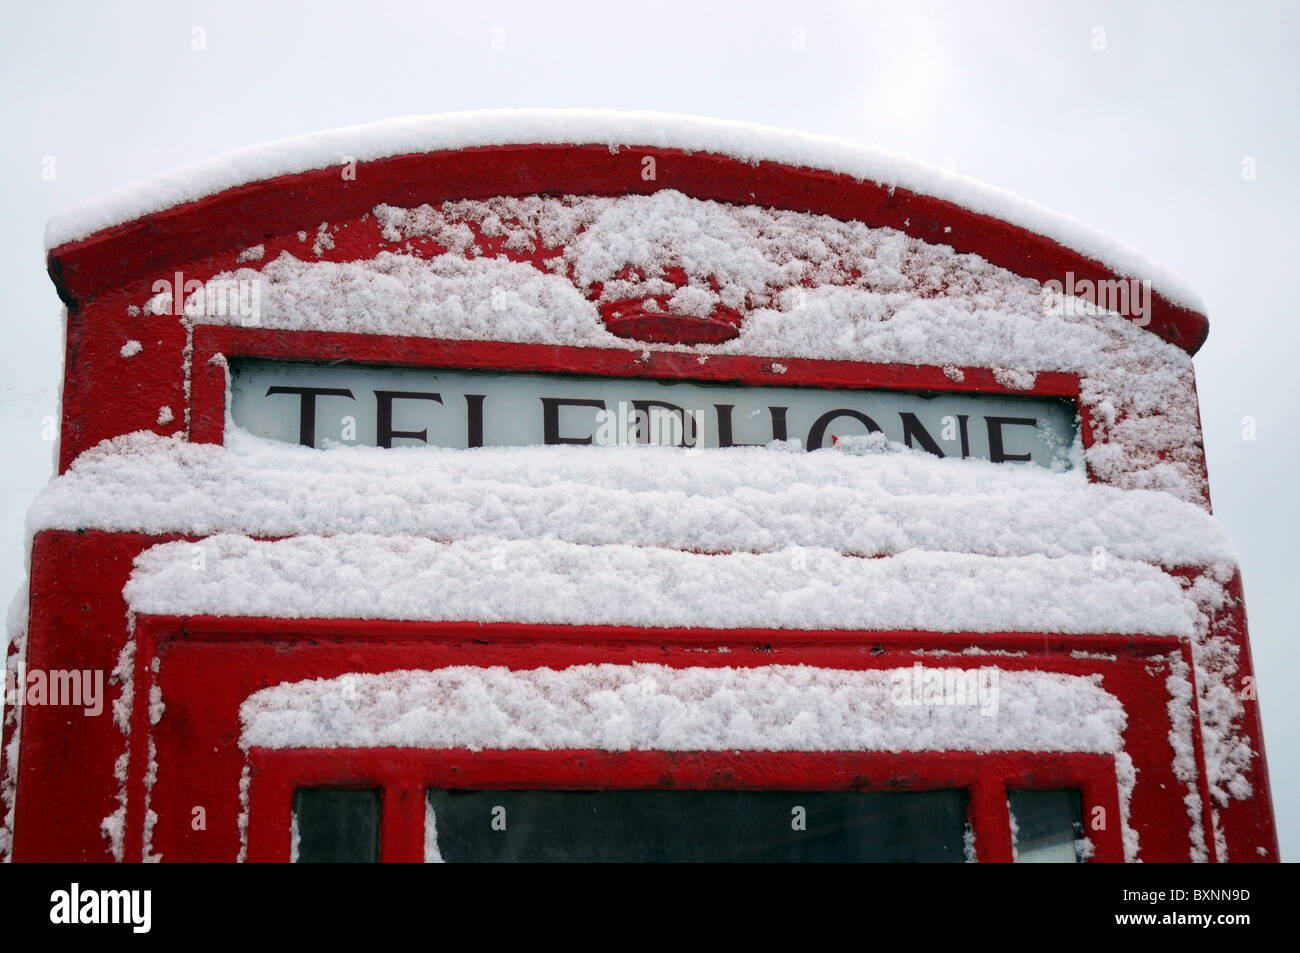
x: 320, y: 405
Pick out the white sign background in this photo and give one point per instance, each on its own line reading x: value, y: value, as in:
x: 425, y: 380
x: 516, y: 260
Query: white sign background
x: 509, y: 409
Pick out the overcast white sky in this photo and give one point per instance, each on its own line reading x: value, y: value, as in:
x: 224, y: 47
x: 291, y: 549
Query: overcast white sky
x: 1144, y: 139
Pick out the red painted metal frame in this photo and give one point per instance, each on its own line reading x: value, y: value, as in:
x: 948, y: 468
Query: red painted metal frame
x: 198, y: 761
x: 404, y: 775
x: 206, y: 667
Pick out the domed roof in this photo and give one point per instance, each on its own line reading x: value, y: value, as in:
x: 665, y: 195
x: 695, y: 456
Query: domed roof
x: 241, y: 198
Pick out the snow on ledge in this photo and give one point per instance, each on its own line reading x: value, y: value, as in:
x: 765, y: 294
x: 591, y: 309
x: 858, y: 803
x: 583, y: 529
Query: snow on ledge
x: 740, y: 499
x: 546, y: 581
x: 655, y: 707
x: 743, y: 141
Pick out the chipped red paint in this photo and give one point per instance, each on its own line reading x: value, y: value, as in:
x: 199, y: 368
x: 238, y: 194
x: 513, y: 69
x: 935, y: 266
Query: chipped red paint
x: 632, y: 319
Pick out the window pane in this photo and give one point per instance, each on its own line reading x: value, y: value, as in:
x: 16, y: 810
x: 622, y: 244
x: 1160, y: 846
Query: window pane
x: 336, y: 825
x: 1046, y: 825
x: 705, y: 826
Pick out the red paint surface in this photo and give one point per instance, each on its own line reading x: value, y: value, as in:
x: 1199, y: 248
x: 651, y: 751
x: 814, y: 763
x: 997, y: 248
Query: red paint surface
x: 206, y: 667
x: 199, y: 764
x: 405, y: 775
x: 65, y: 768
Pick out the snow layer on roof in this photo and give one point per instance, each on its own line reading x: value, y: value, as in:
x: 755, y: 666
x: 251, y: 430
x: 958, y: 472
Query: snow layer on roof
x: 656, y: 707
x: 547, y: 581
x: 741, y: 499
x: 809, y: 286
x: 749, y: 143
x: 483, y: 299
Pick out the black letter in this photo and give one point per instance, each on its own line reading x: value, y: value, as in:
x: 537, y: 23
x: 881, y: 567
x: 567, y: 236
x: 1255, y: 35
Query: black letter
x: 725, y: 438
x: 551, y: 418
x: 995, y: 425
x: 474, y: 407
x: 307, y: 408
x: 384, y: 423
x: 688, y: 421
x: 818, y: 432
x: 912, y: 428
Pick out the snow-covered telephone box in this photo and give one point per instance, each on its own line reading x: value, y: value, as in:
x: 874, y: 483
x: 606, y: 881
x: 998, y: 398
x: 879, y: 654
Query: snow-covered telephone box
x: 614, y: 486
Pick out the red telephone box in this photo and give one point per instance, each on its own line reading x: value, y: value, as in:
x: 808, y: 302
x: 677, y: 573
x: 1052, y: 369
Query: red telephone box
x: 552, y: 486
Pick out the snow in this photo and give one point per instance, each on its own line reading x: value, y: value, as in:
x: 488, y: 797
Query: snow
x: 150, y: 821
x: 1228, y: 756
x: 449, y: 296
x: 147, y: 854
x: 746, y: 499
x: 123, y: 675
x: 548, y: 581
x: 749, y: 143
x: 11, y: 724
x: 1182, y: 739
x: 1015, y: 832
x: 324, y: 240
x: 1126, y: 780
x: 131, y: 349
x: 113, y: 827
x: 656, y: 707
x: 874, y: 295
x: 1084, y: 849
x: 245, y: 783
x: 432, y: 853
x: 737, y: 256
